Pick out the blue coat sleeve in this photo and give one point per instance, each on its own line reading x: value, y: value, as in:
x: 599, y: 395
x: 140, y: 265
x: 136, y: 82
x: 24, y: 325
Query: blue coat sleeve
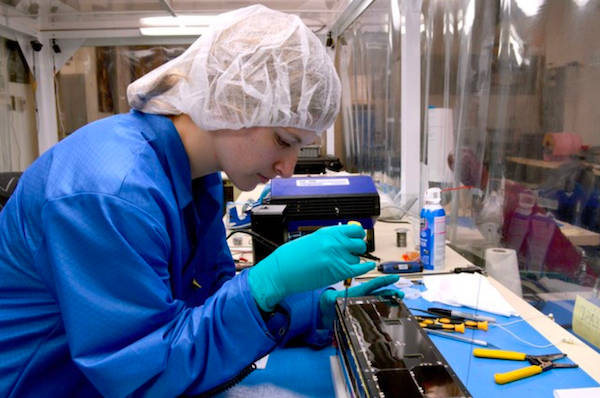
x: 304, y: 316
x: 109, y: 262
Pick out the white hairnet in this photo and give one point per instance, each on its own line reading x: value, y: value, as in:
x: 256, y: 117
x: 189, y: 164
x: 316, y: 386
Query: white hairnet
x: 255, y: 67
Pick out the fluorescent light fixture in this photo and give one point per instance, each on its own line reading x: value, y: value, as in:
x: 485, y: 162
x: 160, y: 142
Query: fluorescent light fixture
x: 173, y: 31
x: 182, y: 25
x: 181, y: 20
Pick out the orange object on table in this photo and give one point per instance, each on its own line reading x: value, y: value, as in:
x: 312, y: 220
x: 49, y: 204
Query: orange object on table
x: 411, y: 256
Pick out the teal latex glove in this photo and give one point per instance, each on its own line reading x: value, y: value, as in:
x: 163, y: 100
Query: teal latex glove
x: 318, y: 260
x: 328, y: 298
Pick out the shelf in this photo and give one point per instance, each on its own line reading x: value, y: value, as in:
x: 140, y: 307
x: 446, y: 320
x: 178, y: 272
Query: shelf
x: 548, y: 165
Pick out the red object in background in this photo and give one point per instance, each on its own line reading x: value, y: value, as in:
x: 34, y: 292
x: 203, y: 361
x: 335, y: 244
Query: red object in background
x: 544, y: 247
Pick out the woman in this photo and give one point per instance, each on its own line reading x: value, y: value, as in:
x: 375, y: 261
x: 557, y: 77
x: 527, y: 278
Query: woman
x: 115, y: 276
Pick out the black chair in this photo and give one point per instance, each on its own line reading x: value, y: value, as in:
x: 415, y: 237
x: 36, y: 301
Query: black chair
x: 8, y: 183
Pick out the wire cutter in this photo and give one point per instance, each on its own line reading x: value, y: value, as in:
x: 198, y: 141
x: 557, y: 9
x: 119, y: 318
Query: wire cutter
x: 539, y: 363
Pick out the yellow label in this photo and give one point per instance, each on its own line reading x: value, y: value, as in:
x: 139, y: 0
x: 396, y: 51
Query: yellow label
x: 586, y: 320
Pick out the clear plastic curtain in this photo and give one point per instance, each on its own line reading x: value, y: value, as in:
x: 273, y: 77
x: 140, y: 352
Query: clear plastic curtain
x: 510, y: 88
x: 519, y: 80
x: 5, y: 125
x: 93, y: 84
x: 370, y: 73
x: 18, y: 138
x: 458, y: 54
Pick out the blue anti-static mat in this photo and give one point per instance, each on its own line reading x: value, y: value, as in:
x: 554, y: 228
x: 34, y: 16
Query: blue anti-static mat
x: 477, y: 374
x: 299, y: 372
x: 304, y: 372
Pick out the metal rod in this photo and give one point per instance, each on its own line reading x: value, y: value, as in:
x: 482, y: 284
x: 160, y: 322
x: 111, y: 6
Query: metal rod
x: 459, y: 338
x: 349, y: 15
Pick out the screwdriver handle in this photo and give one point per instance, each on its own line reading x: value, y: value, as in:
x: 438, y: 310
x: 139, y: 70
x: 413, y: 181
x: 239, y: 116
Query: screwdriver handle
x: 503, y: 378
x: 481, y: 325
x: 499, y: 354
x: 449, y: 327
x: 450, y: 320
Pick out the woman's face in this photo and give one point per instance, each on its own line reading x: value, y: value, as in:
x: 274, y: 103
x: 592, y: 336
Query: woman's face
x: 255, y: 155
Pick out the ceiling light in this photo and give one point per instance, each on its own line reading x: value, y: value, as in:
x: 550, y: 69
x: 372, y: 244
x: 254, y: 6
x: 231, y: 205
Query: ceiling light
x: 181, y: 25
x: 173, y: 31
x: 181, y: 20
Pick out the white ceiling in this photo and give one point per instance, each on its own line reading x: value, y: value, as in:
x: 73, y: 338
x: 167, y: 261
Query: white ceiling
x: 60, y: 17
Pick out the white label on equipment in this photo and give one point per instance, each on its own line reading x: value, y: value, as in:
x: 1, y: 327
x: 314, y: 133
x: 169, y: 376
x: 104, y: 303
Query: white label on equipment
x: 322, y: 182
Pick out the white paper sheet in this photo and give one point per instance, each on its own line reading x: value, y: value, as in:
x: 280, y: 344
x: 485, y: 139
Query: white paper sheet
x: 466, y: 290
x: 592, y: 392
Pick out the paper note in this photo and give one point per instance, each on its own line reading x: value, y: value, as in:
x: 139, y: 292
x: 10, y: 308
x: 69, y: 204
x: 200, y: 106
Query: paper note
x: 586, y: 320
x: 593, y: 392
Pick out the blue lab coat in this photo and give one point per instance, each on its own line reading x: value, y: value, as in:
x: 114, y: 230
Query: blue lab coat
x: 102, y: 247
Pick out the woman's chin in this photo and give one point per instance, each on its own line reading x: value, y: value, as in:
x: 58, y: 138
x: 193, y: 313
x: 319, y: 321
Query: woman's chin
x: 246, y: 185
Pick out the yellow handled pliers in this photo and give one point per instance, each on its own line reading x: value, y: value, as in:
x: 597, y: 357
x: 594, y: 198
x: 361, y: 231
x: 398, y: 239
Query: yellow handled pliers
x: 539, y: 363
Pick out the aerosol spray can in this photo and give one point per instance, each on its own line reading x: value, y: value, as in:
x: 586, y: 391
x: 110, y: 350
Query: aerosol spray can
x: 433, y: 231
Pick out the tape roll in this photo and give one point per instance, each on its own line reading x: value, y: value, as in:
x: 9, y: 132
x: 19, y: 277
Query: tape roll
x: 501, y: 264
x: 559, y: 146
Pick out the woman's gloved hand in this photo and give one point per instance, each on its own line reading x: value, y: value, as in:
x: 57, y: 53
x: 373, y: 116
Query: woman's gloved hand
x: 320, y: 259
x: 328, y: 298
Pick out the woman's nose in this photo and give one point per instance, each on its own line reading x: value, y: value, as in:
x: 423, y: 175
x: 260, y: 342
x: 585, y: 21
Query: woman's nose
x: 286, y: 165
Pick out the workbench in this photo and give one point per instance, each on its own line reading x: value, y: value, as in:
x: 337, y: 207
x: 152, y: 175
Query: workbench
x: 306, y: 372
x: 581, y: 353
x: 579, y: 236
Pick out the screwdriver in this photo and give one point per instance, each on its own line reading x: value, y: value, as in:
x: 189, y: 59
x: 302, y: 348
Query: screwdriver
x: 449, y: 327
x: 456, y: 314
x: 481, y: 325
x: 459, y: 338
x: 347, y: 284
x: 437, y: 319
x: 460, y: 314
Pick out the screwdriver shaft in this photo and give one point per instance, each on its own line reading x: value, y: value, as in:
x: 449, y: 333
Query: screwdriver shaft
x: 347, y: 284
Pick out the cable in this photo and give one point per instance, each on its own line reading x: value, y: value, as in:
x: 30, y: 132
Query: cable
x: 523, y: 341
x: 259, y: 238
x: 230, y: 383
x: 392, y: 221
x: 235, y: 379
x: 395, y: 218
x: 549, y: 316
x: 458, y: 188
x: 470, y: 357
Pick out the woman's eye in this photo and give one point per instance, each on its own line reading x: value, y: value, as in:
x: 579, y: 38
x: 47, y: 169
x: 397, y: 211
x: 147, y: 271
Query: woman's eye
x: 281, y: 142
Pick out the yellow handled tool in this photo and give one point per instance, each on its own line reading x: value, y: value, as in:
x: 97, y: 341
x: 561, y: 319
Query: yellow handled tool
x: 431, y: 322
x: 503, y: 378
x: 481, y: 325
x: 499, y: 354
x: 539, y: 363
x: 448, y: 327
